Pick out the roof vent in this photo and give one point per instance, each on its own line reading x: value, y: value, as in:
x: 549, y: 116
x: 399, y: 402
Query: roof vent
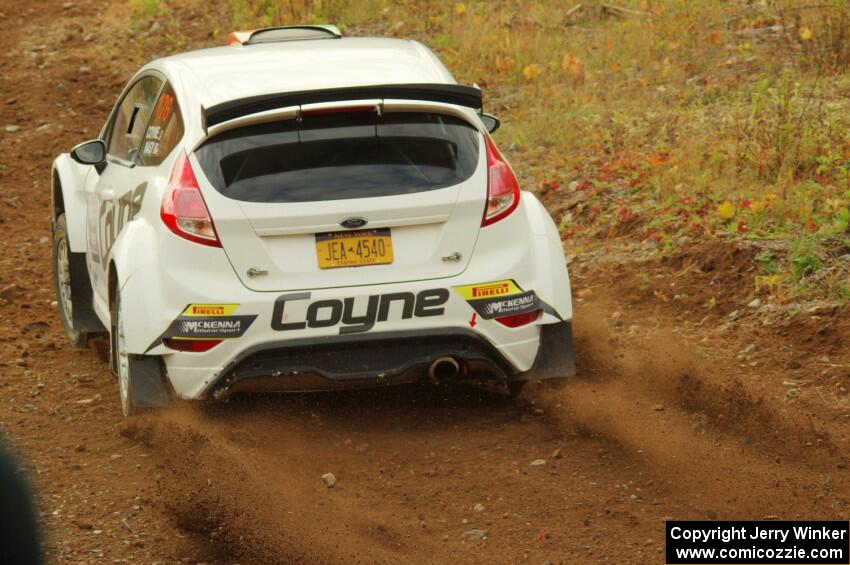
x: 284, y: 33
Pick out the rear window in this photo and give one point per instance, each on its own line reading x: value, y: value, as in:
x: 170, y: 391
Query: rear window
x: 341, y: 156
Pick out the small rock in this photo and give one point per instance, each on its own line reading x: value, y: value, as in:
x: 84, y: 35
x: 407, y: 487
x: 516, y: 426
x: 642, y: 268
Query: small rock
x: 557, y: 454
x: 748, y: 349
x: 329, y: 480
x: 474, y: 535
x: 658, y: 408
x: 27, y: 408
x: 84, y: 70
x: 734, y: 314
x: 12, y: 128
x: 794, y: 364
x: 8, y: 291
x: 824, y: 359
x: 538, y: 462
x: 756, y: 303
x: 478, y: 507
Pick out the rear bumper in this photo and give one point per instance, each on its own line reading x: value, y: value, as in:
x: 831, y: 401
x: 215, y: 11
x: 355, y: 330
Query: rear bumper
x: 181, y: 277
x: 387, y: 358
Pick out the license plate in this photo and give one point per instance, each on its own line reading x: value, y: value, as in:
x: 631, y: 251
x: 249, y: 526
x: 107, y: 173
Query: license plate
x: 357, y: 248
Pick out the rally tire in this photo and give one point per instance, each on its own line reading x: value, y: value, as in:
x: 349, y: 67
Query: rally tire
x: 63, y: 267
x: 135, y: 372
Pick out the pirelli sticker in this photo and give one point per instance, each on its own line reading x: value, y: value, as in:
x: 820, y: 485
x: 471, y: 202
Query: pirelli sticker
x: 207, y: 321
x: 193, y: 310
x: 488, y: 290
x: 502, y: 298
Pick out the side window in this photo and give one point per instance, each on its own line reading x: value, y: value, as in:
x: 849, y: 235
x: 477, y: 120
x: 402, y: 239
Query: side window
x: 165, y: 129
x: 125, y: 137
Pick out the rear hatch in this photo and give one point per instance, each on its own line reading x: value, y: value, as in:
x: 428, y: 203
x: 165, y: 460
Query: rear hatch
x: 345, y: 198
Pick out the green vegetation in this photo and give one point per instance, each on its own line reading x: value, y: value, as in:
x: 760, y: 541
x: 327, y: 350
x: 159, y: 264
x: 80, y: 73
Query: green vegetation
x: 676, y: 118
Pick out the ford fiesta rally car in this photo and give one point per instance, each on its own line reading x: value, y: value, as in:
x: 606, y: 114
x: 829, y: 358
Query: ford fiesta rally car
x: 302, y: 211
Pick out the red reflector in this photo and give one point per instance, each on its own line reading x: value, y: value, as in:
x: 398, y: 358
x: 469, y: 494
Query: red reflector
x: 518, y: 320
x: 191, y: 345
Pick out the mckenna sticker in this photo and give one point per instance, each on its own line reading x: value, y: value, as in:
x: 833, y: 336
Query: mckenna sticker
x: 502, y: 298
x: 515, y: 304
x: 207, y: 321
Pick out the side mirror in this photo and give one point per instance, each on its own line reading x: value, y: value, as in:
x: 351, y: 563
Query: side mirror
x: 89, y: 153
x: 491, y: 122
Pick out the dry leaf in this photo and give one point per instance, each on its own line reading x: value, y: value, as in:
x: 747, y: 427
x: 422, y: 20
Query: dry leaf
x: 532, y: 71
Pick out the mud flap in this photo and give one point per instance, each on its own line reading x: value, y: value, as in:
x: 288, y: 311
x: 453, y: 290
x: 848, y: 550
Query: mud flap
x: 147, y: 378
x: 85, y: 320
x: 556, y: 358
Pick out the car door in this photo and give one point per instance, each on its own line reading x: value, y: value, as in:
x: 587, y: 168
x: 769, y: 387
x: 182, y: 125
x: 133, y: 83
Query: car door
x: 114, y: 195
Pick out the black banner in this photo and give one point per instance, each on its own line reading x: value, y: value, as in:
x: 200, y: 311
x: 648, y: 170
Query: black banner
x: 214, y: 327
x: 758, y: 543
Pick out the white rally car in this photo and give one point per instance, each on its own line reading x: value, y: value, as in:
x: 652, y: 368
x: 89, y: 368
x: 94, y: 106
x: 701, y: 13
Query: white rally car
x: 302, y: 211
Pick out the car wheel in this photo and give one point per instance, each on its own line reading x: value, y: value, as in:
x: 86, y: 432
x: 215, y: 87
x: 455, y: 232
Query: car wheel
x: 141, y: 382
x: 62, y: 280
x: 121, y: 361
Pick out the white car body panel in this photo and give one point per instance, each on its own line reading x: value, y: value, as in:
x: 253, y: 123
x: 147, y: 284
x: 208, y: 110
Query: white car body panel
x: 115, y: 219
x: 71, y: 177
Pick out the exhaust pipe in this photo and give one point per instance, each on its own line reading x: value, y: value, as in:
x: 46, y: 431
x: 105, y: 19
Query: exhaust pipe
x: 443, y: 368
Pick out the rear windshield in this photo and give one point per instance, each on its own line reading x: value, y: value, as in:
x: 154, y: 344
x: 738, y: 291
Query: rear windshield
x: 341, y: 156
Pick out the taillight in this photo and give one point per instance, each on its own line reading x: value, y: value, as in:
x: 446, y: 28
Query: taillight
x: 191, y: 345
x: 518, y: 320
x: 502, y: 186
x: 183, y: 208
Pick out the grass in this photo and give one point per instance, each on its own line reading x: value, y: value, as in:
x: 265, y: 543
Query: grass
x: 678, y: 119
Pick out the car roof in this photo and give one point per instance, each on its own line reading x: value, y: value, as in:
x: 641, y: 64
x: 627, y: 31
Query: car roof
x: 221, y: 74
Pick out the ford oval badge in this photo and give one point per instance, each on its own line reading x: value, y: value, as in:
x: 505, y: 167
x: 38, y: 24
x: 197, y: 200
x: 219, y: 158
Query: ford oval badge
x: 353, y: 223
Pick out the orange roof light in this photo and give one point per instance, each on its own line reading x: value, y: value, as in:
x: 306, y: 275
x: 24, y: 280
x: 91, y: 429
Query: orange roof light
x: 283, y: 33
x: 239, y: 37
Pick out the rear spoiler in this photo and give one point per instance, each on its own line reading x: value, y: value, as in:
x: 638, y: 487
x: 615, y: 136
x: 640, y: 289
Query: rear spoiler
x: 430, y: 92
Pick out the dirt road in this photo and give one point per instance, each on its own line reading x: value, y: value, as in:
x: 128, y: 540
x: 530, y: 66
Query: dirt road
x: 679, y: 410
